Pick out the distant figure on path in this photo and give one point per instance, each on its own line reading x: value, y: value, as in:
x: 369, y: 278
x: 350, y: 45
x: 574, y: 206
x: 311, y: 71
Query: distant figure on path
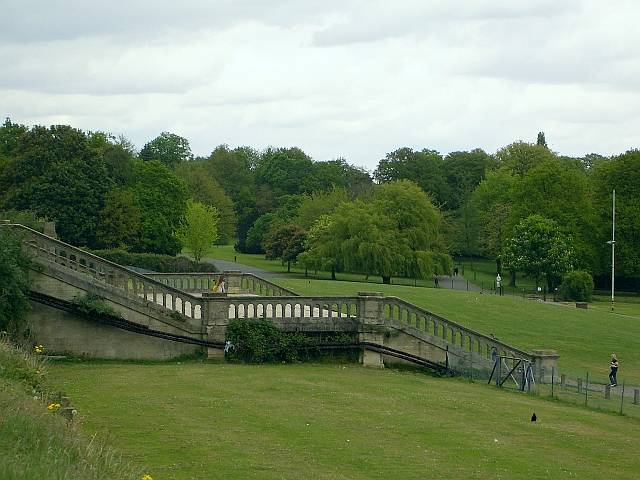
x: 614, y: 370
x: 455, y: 271
x: 436, y: 281
x: 498, y: 284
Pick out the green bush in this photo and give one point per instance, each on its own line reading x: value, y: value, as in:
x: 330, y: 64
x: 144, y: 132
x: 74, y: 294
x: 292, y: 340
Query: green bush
x: 14, y: 282
x: 577, y: 286
x: 24, y: 217
x: 260, y: 341
x: 154, y: 262
x: 93, y: 304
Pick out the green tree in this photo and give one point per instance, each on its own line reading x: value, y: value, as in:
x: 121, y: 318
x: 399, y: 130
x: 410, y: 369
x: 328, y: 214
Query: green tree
x: 539, y: 249
x: 204, y: 188
x: 621, y: 173
x: 258, y: 233
x: 395, y: 233
x: 168, y: 148
x: 315, y: 205
x: 14, y: 282
x: 337, y: 174
x: 199, y: 229
x: 492, y: 202
x: 520, y: 157
x: 558, y: 190
x: 464, y: 171
x: 119, y: 222
x: 56, y: 174
x: 425, y: 168
x: 285, y: 242
x: 286, y: 171
x: 541, y: 140
x: 161, y: 198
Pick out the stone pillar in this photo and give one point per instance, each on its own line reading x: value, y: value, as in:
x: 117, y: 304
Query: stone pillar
x: 371, y: 323
x: 49, y: 229
x: 233, y: 281
x: 215, y: 319
x: 543, y: 363
x: 607, y: 392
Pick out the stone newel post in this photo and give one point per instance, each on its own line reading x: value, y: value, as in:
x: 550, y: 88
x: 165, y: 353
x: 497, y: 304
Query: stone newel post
x: 544, y: 362
x: 215, y: 319
x: 233, y: 281
x: 371, y: 322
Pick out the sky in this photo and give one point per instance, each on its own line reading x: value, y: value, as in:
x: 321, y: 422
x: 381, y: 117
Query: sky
x: 351, y: 79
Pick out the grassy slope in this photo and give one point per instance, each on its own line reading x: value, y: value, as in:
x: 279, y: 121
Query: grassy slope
x: 38, y: 444
x: 584, y: 338
x: 211, y: 421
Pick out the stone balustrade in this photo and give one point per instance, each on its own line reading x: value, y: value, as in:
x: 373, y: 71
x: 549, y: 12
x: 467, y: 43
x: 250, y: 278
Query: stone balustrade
x: 290, y: 307
x: 373, y: 316
x: 47, y: 250
x: 396, y: 310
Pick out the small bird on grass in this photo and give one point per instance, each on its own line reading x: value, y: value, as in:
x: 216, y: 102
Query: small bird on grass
x: 533, y: 417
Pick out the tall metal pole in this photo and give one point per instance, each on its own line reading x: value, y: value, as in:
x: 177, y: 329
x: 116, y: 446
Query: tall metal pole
x: 613, y: 252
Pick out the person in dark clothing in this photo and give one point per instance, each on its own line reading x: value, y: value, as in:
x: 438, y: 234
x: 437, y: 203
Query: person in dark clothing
x: 436, y: 281
x: 614, y: 370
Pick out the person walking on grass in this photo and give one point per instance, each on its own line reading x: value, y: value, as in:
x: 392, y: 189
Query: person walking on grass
x: 614, y: 370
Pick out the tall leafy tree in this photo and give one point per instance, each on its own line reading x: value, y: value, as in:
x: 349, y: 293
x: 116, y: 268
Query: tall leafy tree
x: 621, y: 173
x: 14, y: 282
x: 558, y: 190
x: 538, y: 248
x: 424, y: 167
x: 204, y: 188
x: 56, y: 174
x: 119, y: 222
x: 198, y: 231
x: 168, y: 148
x: 520, y: 157
x: 286, y: 171
x: 161, y: 198
x: 464, y: 171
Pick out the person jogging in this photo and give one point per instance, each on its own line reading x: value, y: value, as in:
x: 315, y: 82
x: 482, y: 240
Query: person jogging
x: 614, y: 370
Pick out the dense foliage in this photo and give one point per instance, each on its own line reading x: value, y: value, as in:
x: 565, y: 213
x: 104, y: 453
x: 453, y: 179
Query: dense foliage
x: 577, y: 285
x: 14, y: 282
x: 154, y: 262
x: 102, y: 195
x: 262, y: 342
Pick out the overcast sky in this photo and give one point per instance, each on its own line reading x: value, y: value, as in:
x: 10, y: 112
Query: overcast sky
x: 345, y: 78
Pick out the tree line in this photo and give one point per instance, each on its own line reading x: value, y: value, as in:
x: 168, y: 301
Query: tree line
x: 525, y: 206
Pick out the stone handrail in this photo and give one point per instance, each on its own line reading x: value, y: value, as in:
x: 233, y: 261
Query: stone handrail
x: 191, y: 282
x: 251, y: 283
x: 135, y: 285
x: 293, y: 307
x: 396, y: 310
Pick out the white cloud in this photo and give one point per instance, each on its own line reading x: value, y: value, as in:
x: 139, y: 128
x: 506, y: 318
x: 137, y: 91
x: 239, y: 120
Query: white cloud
x: 355, y: 79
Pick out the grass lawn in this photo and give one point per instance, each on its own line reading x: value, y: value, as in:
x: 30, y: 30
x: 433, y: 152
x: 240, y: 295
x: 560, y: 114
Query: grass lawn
x: 482, y: 272
x: 226, y: 252
x: 583, y: 338
x: 206, y: 421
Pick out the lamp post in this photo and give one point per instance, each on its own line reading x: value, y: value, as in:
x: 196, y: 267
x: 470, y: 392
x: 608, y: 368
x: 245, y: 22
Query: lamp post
x: 612, y: 242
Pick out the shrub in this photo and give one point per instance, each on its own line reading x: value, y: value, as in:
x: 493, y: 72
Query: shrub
x: 577, y: 286
x: 14, y: 282
x: 24, y: 217
x: 260, y: 341
x: 155, y: 262
x: 93, y: 304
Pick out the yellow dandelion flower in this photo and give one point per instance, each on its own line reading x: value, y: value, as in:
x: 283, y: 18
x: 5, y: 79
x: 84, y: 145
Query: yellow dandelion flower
x: 147, y: 477
x: 53, y: 407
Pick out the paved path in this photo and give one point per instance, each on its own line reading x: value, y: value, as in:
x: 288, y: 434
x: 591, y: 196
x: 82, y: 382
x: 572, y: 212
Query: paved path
x: 456, y: 283
x: 223, y: 265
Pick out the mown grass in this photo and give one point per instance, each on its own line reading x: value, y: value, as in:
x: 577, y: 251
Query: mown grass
x: 226, y: 252
x: 584, y: 338
x: 38, y: 444
x: 207, y: 421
